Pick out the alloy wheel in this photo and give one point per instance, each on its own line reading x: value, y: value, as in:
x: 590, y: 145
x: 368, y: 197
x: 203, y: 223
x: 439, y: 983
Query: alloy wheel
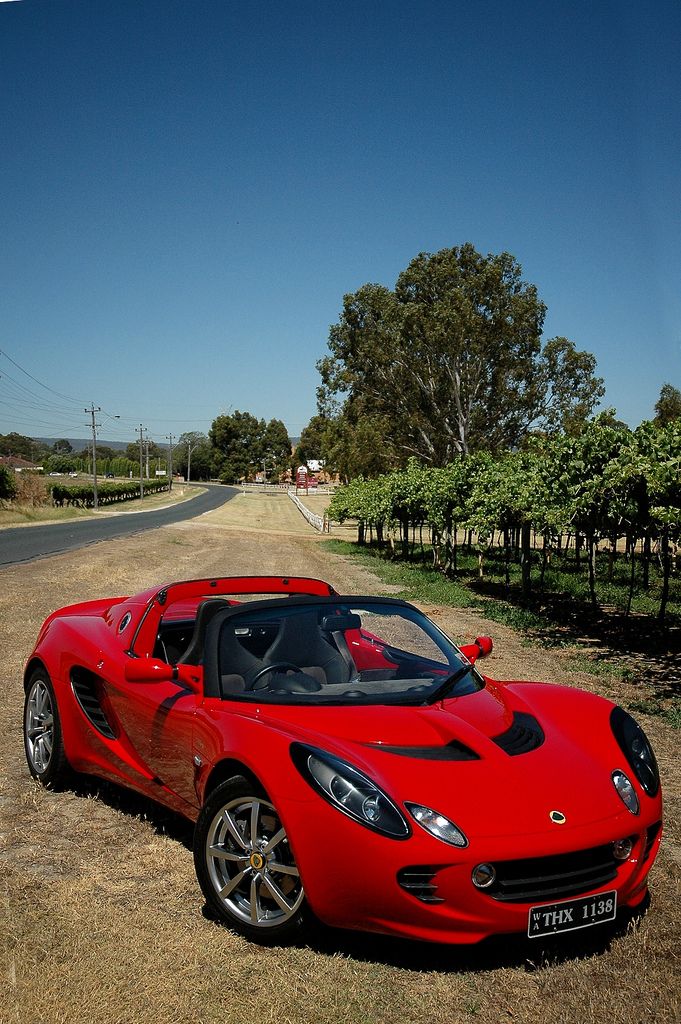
x: 250, y: 864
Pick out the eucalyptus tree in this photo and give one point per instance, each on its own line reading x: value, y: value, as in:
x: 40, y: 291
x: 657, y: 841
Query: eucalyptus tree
x: 451, y: 359
x: 668, y: 405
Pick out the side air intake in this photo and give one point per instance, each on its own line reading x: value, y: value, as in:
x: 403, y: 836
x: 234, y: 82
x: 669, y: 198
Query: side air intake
x: 85, y: 688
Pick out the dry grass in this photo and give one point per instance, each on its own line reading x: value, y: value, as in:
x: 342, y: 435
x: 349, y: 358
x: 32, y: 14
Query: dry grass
x: 100, y: 913
x: 24, y: 513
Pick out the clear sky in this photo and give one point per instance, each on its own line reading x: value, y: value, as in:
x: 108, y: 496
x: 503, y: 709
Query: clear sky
x: 189, y: 187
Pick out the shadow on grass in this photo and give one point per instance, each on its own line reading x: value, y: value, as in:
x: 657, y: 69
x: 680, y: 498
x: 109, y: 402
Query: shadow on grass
x: 508, y: 951
x: 163, y: 821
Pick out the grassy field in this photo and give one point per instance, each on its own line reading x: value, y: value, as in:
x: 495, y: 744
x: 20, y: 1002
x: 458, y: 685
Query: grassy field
x: 101, y: 917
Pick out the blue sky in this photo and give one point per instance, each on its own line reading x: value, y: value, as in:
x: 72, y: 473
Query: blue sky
x: 187, y: 189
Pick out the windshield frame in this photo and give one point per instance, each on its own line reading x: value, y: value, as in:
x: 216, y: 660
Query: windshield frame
x: 454, y: 662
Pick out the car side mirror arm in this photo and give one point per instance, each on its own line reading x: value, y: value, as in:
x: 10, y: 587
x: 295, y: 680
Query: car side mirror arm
x: 480, y: 648
x: 153, y: 670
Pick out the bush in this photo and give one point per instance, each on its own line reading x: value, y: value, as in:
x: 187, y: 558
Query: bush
x: 8, y: 487
x: 83, y: 495
x: 32, y: 489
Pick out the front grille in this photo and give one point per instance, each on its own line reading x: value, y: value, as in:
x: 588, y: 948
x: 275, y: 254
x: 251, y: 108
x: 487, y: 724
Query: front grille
x: 524, y: 734
x: 419, y: 881
x: 555, y: 877
x: 85, y: 692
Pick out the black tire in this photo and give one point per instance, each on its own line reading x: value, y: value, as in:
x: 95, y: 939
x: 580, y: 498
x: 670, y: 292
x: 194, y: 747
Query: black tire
x: 250, y: 882
x: 43, y: 740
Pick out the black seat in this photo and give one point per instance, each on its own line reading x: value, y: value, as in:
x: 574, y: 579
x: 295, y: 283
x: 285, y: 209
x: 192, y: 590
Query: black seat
x: 205, y: 612
x: 301, y: 642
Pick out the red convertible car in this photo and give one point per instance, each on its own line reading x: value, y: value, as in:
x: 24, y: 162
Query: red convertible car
x: 343, y: 760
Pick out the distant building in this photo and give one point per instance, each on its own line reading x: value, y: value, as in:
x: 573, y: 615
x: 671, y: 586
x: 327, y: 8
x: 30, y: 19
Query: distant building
x: 17, y: 464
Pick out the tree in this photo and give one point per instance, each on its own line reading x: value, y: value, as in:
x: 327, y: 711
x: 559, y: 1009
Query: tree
x: 568, y: 388
x: 451, y: 360
x: 668, y: 405
x: 276, y: 449
x: 358, y: 445
x: 313, y: 440
x: 237, y: 443
x: 62, y: 447
x: 20, y: 446
x: 8, y: 484
x: 192, y: 457
x: 132, y: 451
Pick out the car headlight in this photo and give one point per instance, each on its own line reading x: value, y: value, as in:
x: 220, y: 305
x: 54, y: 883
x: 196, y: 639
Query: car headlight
x: 437, y: 825
x: 625, y: 791
x: 350, y: 791
x: 636, y: 749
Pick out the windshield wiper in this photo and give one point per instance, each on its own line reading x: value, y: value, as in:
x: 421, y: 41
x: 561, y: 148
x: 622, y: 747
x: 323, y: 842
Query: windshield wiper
x: 449, y: 684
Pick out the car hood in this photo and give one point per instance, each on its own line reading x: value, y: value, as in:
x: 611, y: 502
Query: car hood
x: 462, y: 756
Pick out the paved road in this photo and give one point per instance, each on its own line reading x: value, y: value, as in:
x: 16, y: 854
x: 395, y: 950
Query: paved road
x: 24, y: 544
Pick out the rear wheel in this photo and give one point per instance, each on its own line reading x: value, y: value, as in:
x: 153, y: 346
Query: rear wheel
x: 43, y: 741
x: 245, y: 864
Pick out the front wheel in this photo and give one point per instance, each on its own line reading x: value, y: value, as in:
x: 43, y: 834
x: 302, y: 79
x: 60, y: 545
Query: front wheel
x: 245, y: 865
x: 43, y: 741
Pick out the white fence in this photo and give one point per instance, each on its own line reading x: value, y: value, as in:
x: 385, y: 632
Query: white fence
x: 320, y: 523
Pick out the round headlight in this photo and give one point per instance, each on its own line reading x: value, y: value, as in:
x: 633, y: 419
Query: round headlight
x: 483, y: 875
x: 621, y: 849
x: 625, y: 791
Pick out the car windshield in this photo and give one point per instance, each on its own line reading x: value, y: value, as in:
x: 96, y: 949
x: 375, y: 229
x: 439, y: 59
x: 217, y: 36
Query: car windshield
x: 368, y: 652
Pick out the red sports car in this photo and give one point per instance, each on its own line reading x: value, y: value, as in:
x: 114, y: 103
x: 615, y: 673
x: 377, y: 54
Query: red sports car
x: 343, y: 759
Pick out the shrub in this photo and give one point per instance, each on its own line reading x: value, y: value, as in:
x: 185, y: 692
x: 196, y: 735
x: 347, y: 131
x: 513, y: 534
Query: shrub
x: 8, y: 487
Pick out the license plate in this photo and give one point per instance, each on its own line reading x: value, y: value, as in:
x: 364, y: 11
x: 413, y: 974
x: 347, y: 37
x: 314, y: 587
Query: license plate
x: 569, y: 915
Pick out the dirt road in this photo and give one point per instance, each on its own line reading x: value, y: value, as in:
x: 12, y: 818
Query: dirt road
x: 100, y: 913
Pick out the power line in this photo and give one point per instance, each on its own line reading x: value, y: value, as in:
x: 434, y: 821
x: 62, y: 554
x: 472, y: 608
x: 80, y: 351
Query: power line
x: 67, y: 398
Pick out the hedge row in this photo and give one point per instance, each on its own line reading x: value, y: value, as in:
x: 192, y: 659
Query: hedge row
x: 83, y: 495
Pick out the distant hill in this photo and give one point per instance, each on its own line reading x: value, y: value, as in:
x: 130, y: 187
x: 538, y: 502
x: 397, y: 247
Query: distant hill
x: 78, y: 443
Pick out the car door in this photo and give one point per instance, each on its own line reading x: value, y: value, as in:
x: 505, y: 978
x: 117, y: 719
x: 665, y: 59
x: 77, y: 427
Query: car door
x: 156, y: 719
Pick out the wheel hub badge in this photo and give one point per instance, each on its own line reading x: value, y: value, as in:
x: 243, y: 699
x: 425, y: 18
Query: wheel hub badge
x: 257, y: 861
x: 557, y: 817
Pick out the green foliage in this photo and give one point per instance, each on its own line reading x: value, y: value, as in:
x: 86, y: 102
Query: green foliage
x: 83, y: 495
x: 605, y: 483
x: 668, y: 405
x: 22, y: 447
x: 8, y: 486
x: 241, y: 443
x: 192, y: 457
x: 449, y: 362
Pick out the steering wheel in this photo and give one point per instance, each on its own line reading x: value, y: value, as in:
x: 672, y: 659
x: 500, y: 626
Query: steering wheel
x: 277, y: 666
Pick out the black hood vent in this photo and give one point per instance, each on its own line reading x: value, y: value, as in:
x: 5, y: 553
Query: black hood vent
x: 453, y: 751
x: 524, y: 735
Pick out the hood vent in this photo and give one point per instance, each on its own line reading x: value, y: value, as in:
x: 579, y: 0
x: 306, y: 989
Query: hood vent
x: 453, y: 751
x: 524, y: 735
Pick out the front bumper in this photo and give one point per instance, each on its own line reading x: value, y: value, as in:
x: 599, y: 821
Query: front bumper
x: 355, y: 879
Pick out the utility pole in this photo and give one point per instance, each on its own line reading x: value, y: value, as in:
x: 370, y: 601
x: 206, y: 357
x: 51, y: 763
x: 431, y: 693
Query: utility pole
x: 92, y: 410
x: 169, y: 439
x: 146, y: 446
x: 189, y: 461
x: 141, y: 444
